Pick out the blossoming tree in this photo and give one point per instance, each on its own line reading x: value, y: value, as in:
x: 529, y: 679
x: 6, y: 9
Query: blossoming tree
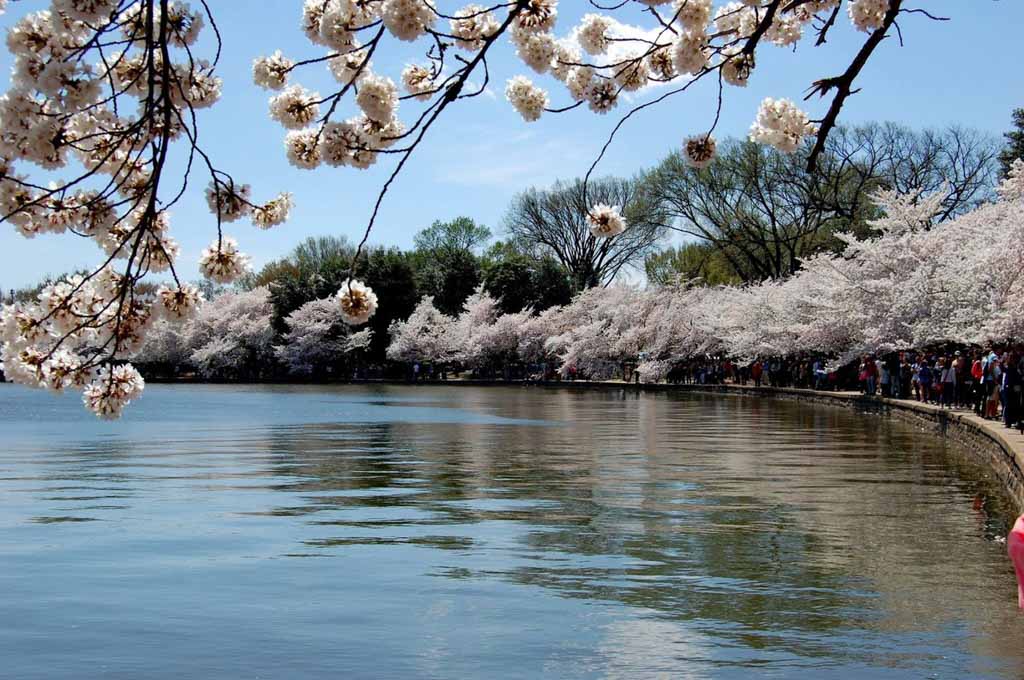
x: 910, y: 285
x: 103, y: 89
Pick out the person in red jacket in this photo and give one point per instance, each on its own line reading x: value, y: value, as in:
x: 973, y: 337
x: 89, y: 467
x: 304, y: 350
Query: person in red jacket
x: 870, y: 374
x: 978, y: 389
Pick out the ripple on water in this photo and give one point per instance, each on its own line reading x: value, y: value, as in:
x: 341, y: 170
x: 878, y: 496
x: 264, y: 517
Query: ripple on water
x: 493, y: 532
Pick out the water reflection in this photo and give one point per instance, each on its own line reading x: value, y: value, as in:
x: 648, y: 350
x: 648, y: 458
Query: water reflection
x: 507, y: 532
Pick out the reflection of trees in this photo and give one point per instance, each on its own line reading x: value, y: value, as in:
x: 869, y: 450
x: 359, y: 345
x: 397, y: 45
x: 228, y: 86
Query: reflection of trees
x: 772, y: 526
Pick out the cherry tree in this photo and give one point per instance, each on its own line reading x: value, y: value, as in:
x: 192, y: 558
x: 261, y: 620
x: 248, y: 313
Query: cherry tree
x: 591, y: 328
x: 424, y: 336
x: 677, y: 328
x: 165, y: 346
x: 318, y: 337
x: 232, y: 334
x: 104, y: 92
x: 911, y: 284
x: 100, y: 93
x: 484, y: 338
x: 1003, y: 273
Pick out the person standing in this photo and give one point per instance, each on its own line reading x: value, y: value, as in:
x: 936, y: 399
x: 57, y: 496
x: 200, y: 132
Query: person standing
x: 993, y: 376
x: 871, y: 375
x: 924, y: 380
x: 908, y: 375
x: 915, y: 377
x: 819, y: 374
x: 893, y: 362
x: 963, y: 377
x: 977, y: 389
x: 1011, y: 390
x: 949, y: 383
x: 1019, y: 398
x: 884, y: 379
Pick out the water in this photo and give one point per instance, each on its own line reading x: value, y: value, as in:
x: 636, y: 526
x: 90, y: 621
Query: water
x: 401, y: 532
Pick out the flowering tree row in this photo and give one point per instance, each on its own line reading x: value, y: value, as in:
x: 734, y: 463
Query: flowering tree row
x: 231, y: 337
x: 104, y: 92
x: 911, y: 285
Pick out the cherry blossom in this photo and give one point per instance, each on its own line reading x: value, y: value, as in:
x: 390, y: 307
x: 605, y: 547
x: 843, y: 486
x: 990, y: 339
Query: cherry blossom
x: 606, y: 221
x: 101, y: 91
x: 357, y: 302
x: 101, y: 94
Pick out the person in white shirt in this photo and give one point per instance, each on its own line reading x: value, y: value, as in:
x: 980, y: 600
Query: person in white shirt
x: 948, y: 383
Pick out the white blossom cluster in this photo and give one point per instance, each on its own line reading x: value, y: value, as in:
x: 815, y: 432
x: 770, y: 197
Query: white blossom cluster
x: 528, y: 99
x: 418, y: 81
x: 114, y: 389
x: 867, y: 15
x: 699, y: 150
x: 100, y: 90
x: 222, y: 262
x: 472, y: 25
x: 357, y: 301
x: 605, y: 221
x: 780, y: 123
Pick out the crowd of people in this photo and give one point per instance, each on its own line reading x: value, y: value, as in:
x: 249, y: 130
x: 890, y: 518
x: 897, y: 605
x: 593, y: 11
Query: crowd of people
x: 989, y: 382
x: 807, y: 373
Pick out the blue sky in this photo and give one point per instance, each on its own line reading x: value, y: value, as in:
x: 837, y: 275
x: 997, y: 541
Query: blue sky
x: 481, y: 153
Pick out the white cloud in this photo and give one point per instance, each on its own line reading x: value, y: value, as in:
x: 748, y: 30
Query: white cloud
x: 620, y: 51
x: 517, y: 161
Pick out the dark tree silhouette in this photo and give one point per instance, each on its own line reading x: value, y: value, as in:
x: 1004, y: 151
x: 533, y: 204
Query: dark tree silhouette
x: 554, y: 222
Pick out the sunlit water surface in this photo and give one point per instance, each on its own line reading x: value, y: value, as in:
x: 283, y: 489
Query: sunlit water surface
x: 290, y: 532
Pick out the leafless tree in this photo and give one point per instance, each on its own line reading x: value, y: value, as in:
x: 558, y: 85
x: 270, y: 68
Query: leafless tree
x: 554, y: 221
x: 959, y: 162
x: 763, y: 211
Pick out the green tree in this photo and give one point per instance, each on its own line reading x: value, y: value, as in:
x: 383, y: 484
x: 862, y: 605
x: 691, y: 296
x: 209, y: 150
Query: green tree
x: 1014, y: 143
x: 392, y: 275
x: 449, y: 279
x: 447, y: 266
x: 519, y: 281
x: 690, y: 261
x: 551, y: 283
x: 315, y: 269
x: 459, y: 235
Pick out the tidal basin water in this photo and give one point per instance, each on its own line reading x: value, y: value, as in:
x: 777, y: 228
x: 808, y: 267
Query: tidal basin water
x: 457, y: 532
